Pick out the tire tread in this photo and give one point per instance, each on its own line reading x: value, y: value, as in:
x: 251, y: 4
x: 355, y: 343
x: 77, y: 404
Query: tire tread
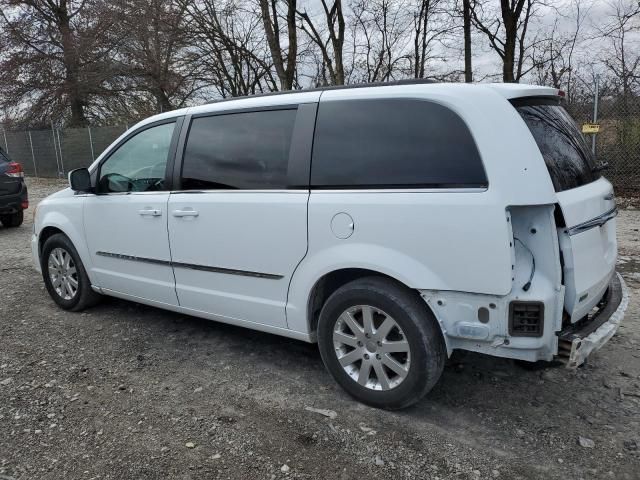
x: 88, y: 297
x: 430, y: 335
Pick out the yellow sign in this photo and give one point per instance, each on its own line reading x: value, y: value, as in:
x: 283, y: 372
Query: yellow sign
x: 590, y: 127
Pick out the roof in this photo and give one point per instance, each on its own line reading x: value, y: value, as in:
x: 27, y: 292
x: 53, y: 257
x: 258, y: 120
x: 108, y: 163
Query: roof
x: 506, y: 90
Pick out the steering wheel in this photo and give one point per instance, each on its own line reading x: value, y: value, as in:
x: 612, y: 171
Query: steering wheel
x: 148, y: 172
x: 114, y: 182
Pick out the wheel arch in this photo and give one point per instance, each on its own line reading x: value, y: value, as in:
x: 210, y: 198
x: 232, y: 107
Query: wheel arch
x: 45, y: 234
x: 53, y: 222
x: 331, y: 281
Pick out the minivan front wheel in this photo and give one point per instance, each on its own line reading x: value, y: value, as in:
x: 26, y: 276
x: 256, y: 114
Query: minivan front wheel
x: 381, y: 343
x: 64, y: 275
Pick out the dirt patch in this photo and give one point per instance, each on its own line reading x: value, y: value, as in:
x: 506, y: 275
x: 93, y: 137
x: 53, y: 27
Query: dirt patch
x: 128, y: 391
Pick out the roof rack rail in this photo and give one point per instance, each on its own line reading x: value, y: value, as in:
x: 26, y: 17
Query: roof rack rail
x: 409, y: 81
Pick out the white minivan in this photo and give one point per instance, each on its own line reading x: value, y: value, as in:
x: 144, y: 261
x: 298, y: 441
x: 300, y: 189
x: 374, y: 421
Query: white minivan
x: 390, y: 224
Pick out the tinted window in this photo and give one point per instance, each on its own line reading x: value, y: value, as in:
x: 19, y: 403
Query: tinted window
x: 393, y: 143
x: 139, y: 164
x: 565, y: 152
x: 238, y: 151
x: 4, y: 162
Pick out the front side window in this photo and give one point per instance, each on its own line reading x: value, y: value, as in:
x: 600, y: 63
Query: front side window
x: 393, y: 143
x: 139, y: 164
x: 238, y: 151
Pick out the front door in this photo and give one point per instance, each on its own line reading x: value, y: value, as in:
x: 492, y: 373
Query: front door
x: 237, y: 232
x: 126, y: 220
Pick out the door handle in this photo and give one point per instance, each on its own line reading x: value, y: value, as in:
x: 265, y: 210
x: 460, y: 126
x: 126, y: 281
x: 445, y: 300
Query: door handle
x: 151, y: 212
x: 185, y: 213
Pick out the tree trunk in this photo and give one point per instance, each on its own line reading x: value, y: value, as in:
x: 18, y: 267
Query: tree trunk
x: 286, y: 74
x: 466, y: 15
x: 273, y: 40
x: 71, y: 64
x: 508, y: 62
x: 338, y: 43
x: 162, y: 100
x: 292, y: 55
x: 510, y: 38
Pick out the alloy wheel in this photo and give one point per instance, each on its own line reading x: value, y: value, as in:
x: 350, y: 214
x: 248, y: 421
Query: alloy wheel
x: 371, y: 347
x: 63, y: 274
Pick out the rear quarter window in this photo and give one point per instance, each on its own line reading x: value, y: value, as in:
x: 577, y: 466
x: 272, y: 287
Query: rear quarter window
x: 566, y: 154
x: 393, y: 143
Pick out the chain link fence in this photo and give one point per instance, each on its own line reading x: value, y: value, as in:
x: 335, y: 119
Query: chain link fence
x: 53, y: 153
x: 56, y: 151
x: 617, y: 142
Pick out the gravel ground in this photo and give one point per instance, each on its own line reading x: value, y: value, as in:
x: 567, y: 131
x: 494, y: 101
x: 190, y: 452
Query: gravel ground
x: 126, y: 391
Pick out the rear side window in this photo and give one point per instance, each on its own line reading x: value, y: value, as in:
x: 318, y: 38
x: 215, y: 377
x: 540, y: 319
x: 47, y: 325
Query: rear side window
x: 568, y: 158
x: 238, y: 151
x: 393, y: 143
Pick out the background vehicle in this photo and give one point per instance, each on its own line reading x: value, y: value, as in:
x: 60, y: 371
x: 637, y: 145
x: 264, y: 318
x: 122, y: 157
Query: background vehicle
x: 391, y: 224
x: 13, y: 192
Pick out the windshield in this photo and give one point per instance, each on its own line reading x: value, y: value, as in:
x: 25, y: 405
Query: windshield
x: 566, y: 154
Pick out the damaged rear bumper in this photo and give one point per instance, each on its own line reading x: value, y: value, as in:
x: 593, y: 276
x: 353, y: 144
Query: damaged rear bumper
x: 579, y: 340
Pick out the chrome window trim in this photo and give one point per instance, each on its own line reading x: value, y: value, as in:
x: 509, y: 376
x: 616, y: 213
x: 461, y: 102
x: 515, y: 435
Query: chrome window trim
x: 400, y: 190
x: 341, y: 190
x: 239, y: 191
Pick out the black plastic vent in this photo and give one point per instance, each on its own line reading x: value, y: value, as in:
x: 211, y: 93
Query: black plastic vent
x: 526, y: 319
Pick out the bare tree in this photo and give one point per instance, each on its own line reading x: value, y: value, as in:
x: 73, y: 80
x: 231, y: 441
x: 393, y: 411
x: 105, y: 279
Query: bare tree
x: 431, y: 25
x: 329, y: 42
x: 553, y: 58
x: 229, y: 40
x: 284, y: 63
x: 622, y: 58
x: 55, y: 56
x: 507, y: 33
x: 156, y: 57
x: 379, y: 39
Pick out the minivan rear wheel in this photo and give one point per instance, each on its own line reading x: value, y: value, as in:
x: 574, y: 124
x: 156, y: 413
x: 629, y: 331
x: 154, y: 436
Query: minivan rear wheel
x: 381, y: 343
x: 64, y: 275
x: 12, y: 220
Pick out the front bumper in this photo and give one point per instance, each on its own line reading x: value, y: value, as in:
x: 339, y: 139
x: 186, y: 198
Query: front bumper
x: 578, y: 341
x: 35, y: 252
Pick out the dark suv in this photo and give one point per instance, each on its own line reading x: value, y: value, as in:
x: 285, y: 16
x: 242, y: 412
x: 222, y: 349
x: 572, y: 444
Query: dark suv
x: 13, y: 192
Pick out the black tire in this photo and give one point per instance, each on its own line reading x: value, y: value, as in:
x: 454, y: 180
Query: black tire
x: 12, y: 220
x: 85, y: 296
x: 411, y: 314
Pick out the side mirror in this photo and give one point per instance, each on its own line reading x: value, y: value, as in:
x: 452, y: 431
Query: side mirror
x: 80, y: 180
